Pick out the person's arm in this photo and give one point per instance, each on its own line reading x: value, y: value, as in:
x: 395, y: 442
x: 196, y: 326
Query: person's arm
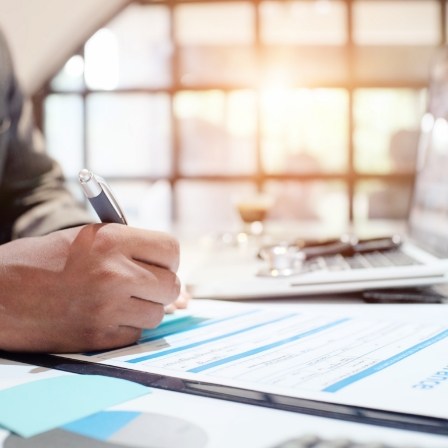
x: 33, y: 196
x: 82, y: 288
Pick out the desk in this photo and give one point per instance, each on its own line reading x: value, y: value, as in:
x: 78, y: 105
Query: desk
x: 214, y: 423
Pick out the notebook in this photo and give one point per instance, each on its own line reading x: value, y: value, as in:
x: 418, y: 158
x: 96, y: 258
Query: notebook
x: 422, y: 258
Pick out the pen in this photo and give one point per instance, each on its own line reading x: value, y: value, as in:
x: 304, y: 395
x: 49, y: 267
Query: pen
x: 100, y: 196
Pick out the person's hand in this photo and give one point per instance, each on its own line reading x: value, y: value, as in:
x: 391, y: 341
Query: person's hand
x: 87, y: 288
x: 180, y: 303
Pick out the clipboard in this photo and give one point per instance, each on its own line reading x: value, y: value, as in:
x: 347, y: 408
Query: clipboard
x: 355, y: 414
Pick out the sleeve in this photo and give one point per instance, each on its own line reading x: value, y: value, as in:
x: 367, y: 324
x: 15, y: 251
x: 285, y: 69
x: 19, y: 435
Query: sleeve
x: 33, y: 198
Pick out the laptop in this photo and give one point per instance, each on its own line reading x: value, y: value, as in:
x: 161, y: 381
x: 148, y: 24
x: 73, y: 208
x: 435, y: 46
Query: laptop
x: 421, y: 258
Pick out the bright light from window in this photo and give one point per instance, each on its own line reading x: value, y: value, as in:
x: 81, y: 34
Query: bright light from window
x: 399, y: 22
x: 240, y: 119
x: 247, y: 86
x: 208, y: 107
x: 216, y: 23
x: 322, y: 6
x: 102, y: 61
x: 276, y: 78
x: 74, y: 66
x: 427, y: 122
x: 440, y: 136
x: 303, y: 22
x: 304, y: 129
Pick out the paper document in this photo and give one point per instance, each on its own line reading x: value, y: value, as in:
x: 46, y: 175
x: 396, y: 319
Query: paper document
x: 38, y: 406
x: 170, y: 419
x: 384, y: 357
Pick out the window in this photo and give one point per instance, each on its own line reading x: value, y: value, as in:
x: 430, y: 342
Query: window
x: 183, y: 105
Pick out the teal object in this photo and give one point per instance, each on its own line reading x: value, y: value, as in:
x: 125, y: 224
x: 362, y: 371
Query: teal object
x: 103, y: 425
x: 38, y: 406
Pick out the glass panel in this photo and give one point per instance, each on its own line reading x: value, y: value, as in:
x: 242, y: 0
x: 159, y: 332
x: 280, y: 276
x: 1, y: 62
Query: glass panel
x: 129, y: 134
x: 63, y: 128
x: 216, y: 132
x: 102, y: 61
x: 220, y: 65
x: 205, y: 207
x: 215, y: 24
x: 326, y: 202
x: 304, y: 22
x: 381, y: 63
x: 401, y: 22
x: 381, y: 200
x: 215, y: 43
x: 71, y: 77
x: 304, y: 130
x: 386, y: 128
x: 133, y: 51
x: 145, y: 205
x: 286, y: 64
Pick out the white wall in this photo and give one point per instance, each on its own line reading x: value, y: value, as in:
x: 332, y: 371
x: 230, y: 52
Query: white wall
x: 44, y: 33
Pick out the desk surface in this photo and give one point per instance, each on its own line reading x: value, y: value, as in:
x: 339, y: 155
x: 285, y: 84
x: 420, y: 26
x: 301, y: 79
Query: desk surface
x: 212, y: 423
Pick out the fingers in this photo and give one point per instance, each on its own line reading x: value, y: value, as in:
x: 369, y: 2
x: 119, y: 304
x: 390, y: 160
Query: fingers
x: 169, y: 309
x: 89, y: 339
x: 155, y: 248
x: 179, y: 304
x: 142, y: 314
x: 183, y: 299
x: 120, y: 327
x: 117, y: 337
x: 154, y: 283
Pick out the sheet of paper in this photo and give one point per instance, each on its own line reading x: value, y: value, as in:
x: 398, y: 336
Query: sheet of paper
x: 383, y: 357
x: 37, y: 406
x: 179, y: 419
x: 172, y: 419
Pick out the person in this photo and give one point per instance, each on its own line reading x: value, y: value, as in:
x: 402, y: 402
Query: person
x: 68, y: 284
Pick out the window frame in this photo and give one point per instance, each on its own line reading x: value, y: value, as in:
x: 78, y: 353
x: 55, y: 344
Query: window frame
x: 350, y: 178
